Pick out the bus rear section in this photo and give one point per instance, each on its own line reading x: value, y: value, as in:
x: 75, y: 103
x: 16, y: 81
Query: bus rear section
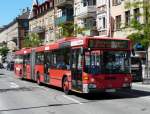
x: 22, y: 67
x: 18, y: 66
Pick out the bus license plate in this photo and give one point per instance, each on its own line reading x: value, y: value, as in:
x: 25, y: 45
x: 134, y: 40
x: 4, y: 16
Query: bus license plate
x: 110, y: 90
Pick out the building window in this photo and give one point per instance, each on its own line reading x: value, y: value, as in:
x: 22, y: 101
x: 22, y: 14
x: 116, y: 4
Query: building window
x: 101, y: 2
x: 116, y: 2
x: 104, y: 22
x: 89, y: 2
x: 89, y: 23
x: 118, y: 22
x: 127, y: 18
x: 137, y: 14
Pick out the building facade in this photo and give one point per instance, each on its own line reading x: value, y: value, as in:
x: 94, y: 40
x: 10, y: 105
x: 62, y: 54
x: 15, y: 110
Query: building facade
x: 63, y: 15
x: 42, y: 20
x: 113, y: 17
x: 14, y: 33
x: 122, y: 17
x: 85, y: 16
x: 103, y: 17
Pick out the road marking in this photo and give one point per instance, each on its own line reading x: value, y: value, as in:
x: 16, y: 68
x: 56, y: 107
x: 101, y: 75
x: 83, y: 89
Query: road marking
x: 13, y: 85
x: 74, y: 100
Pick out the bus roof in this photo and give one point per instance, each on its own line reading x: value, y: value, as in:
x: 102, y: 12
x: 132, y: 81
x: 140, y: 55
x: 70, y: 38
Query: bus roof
x: 23, y: 51
x: 68, y: 42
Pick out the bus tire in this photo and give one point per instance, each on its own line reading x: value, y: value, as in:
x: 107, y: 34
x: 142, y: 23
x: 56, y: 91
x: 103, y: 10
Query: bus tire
x: 38, y: 79
x: 65, y: 86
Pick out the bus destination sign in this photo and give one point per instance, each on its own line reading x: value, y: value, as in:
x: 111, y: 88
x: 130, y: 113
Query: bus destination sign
x: 115, y: 44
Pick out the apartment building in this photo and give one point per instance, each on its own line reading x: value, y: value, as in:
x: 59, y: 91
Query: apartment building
x: 122, y: 17
x: 63, y: 15
x: 113, y: 18
x: 14, y: 33
x: 103, y: 17
x: 42, y: 20
x: 85, y: 16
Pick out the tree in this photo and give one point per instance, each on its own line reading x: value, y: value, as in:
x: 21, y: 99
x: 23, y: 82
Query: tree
x: 70, y: 29
x: 142, y: 34
x: 32, y: 40
x: 3, y: 51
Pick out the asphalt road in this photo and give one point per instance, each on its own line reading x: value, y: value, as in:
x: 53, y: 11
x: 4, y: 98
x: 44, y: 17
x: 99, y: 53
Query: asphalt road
x: 25, y: 97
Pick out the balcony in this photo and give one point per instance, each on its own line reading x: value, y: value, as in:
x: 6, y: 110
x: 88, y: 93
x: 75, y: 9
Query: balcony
x: 38, y: 29
x: 63, y: 3
x: 63, y: 19
x: 87, y: 11
x: 90, y: 25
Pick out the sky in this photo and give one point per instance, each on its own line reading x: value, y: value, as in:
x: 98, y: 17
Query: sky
x: 9, y: 9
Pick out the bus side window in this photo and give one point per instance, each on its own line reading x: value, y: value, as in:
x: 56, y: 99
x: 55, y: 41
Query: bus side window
x: 27, y: 59
x: 48, y: 59
x: 61, y: 59
x: 39, y: 58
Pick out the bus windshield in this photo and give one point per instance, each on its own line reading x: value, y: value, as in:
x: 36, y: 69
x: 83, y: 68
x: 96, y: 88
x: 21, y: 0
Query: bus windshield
x: 106, y: 62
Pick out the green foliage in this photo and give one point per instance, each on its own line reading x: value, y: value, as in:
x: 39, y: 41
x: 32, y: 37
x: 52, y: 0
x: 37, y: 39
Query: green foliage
x: 32, y: 40
x: 136, y: 25
x: 70, y: 29
x: 142, y: 34
x: 67, y: 29
x: 3, y: 51
x: 134, y: 4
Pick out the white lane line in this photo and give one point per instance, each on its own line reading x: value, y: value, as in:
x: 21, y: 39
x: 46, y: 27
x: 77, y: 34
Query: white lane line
x: 74, y: 100
x: 13, y: 85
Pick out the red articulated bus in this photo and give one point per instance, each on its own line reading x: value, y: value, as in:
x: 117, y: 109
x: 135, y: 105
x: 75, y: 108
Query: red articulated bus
x: 84, y: 65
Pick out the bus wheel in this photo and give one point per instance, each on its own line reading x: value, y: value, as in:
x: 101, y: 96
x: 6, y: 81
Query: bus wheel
x: 66, y: 86
x: 38, y: 79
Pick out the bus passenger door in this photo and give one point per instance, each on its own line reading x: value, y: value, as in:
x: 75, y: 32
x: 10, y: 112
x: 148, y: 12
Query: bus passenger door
x: 76, y: 70
x: 46, y: 67
x: 24, y: 67
x: 32, y: 64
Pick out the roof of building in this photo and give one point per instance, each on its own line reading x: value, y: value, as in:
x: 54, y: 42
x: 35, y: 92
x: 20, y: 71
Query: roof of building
x: 24, y: 15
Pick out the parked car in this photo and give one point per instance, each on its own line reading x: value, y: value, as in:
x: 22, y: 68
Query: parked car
x: 10, y: 66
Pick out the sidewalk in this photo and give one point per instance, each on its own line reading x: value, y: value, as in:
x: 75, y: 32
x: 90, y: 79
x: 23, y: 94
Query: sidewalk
x: 140, y: 84
x: 146, y: 81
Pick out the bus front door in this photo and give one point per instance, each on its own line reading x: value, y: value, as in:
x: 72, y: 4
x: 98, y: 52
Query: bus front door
x: 76, y: 70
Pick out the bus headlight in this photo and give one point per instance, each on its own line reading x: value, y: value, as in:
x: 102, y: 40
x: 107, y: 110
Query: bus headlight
x: 92, y: 80
x: 126, y: 79
x: 92, y: 86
